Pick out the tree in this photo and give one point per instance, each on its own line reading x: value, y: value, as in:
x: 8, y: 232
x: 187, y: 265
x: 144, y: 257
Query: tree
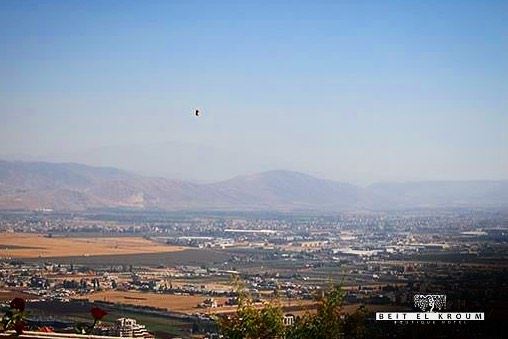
x: 326, y: 322
x: 250, y: 322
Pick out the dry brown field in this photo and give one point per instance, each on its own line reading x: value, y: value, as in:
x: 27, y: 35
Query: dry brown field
x: 170, y: 302
x: 180, y: 303
x: 24, y: 245
x: 189, y: 303
x: 8, y: 295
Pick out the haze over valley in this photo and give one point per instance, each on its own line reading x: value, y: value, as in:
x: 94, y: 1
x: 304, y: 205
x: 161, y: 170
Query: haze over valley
x: 69, y: 186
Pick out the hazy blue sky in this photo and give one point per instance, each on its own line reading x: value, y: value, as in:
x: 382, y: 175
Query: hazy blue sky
x: 356, y: 91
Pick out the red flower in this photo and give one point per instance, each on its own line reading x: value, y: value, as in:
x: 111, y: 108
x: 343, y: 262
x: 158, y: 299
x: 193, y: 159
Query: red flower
x: 46, y: 329
x: 18, y: 304
x: 19, y: 326
x: 98, y: 313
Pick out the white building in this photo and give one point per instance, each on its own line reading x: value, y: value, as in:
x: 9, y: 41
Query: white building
x: 129, y: 328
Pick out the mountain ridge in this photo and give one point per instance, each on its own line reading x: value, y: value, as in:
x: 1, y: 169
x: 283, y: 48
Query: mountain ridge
x: 73, y: 186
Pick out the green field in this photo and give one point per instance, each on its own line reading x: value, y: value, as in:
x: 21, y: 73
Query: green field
x: 164, y: 327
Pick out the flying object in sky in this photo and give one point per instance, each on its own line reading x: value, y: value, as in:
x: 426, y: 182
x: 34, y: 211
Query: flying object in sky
x: 197, y: 112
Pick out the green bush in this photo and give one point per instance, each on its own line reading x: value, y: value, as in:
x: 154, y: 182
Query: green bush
x: 327, y: 322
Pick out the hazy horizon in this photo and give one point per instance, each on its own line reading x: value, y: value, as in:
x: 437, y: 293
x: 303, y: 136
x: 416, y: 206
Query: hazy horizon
x: 283, y: 171
x: 348, y: 91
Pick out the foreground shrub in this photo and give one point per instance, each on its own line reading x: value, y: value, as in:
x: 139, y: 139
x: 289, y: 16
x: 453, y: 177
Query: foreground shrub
x: 14, y: 317
x: 266, y: 321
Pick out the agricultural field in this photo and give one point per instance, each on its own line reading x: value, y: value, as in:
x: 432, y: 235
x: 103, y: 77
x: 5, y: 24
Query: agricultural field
x: 27, y: 245
x: 79, y: 311
x: 187, y: 304
x: 7, y: 295
x: 170, y: 302
x: 173, y: 256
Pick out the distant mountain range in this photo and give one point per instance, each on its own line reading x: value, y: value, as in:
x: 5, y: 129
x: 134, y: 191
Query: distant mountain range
x: 69, y: 186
